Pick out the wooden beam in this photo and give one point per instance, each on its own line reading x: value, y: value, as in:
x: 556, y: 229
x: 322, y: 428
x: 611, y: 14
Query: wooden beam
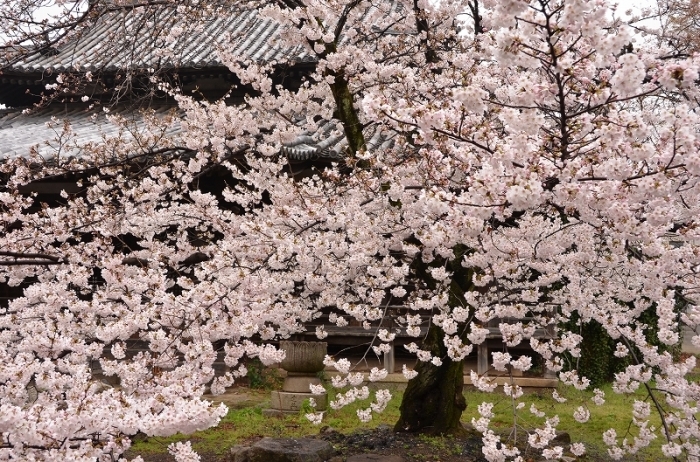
x: 49, y: 188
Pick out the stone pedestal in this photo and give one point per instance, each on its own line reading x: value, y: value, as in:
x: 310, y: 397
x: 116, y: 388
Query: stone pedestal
x: 303, y: 361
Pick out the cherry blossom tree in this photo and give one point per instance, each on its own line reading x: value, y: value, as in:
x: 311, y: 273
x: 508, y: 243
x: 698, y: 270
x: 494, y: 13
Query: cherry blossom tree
x: 534, y: 168
x: 680, y: 20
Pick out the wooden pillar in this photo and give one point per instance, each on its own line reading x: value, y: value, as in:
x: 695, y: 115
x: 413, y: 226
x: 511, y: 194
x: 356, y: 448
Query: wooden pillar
x: 389, y: 360
x: 482, y: 358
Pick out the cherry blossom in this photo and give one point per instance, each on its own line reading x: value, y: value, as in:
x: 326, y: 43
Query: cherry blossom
x: 526, y: 168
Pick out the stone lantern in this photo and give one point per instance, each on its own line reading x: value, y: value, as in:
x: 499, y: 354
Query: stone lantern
x: 303, y: 361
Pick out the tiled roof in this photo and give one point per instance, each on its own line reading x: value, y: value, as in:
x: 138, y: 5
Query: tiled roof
x: 43, y: 130
x: 106, y: 47
x: 20, y: 133
x: 328, y: 143
x: 132, y: 38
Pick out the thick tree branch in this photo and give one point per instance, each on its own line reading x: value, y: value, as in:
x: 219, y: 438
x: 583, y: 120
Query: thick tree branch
x: 21, y: 259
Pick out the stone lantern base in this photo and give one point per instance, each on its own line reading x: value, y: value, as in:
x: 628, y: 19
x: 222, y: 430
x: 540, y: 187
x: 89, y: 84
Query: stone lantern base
x: 285, y: 403
x: 302, y: 359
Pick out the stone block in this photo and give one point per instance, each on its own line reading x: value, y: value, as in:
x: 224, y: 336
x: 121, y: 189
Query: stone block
x: 239, y: 454
x: 287, y: 401
x: 290, y: 450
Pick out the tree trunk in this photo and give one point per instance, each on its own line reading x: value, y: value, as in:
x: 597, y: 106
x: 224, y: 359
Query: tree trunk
x: 347, y: 113
x: 434, y: 401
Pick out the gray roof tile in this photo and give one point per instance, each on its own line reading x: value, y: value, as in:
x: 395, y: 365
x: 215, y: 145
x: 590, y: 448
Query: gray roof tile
x: 43, y: 131
x: 328, y: 143
x: 110, y: 45
x: 106, y: 47
x: 20, y: 133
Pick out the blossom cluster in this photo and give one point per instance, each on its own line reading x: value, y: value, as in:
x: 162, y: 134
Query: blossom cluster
x: 517, y: 177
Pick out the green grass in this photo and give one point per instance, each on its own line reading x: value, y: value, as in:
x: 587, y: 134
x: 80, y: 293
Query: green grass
x: 238, y: 426
x: 248, y: 423
x: 615, y: 413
